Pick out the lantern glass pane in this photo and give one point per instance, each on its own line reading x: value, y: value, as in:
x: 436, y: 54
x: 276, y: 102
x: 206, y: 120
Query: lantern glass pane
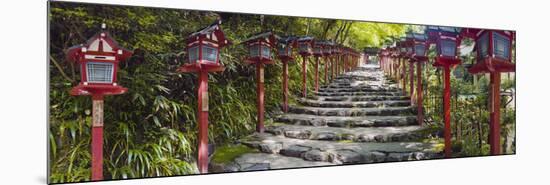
x: 281, y: 51
x: 193, y: 54
x: 266, y: 52
x: 420, y: 50
x: 209, y: 54
x: 327, y: 50
x: 501, y: 46
x: 99, y: 72
x: 317, y: 50
x: 304, y: 47
x: 403, y: 50
x: 254, y: 51
x: 482, y: 44
x: 448, y: 48
x: 409, y: 50
x: 289, y: 51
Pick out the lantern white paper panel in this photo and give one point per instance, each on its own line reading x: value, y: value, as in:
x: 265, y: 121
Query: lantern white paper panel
x: 501, y: 46
x: 209, y: 54
x: 99, y: 72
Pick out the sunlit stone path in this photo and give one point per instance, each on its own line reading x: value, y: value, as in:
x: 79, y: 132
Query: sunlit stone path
x: 359, y: 118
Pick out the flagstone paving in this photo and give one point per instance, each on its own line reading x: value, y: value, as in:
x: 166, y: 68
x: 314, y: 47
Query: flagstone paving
x: 358, y: 118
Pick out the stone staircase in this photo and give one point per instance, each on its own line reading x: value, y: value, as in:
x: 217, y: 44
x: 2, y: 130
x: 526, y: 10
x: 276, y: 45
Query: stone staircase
x: 359, y: 118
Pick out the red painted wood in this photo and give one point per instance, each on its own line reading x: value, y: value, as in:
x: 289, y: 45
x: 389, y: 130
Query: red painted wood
x: 419, y: 104
x: 404, y: 76
x: 97, y: 138
x: 203, y: 123
x: 411, y: 80
x: 345, y: 63
x: 337, y: 62
x: 285, y: 85
x: 494, y: 122
x: 447, y: 109
x: 304, y: 76
x: 327, y: 62
x: 390, y: 68
x: 333, y: 67
x: 260, y: 98
x: 316, y: 73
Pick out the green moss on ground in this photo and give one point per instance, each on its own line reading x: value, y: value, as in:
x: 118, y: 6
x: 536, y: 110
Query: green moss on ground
x: 228, y: 153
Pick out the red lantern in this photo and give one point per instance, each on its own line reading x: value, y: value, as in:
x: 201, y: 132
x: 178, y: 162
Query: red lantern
x: 420, y: 48
x: 494, y: 56
x: 98, y: 60
x: 284, y: 53
x: 327, y: 53
x: 305, y: 48
x: 447, y: 40
x: 203, y: 56
x: 203, y: 49
x: 259, y: 47
x: 337, y: 51
x: 493, y: 50
x: 318, y: 49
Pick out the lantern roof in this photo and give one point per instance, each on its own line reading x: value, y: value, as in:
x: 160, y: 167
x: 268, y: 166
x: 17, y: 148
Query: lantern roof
x: 287, y: 40
x: 420, y: 37
x: 269, y: 37
x: 322, y: 43
x: 409, y: 35
x: 100, y: 43
x: 213, y: 32
x: 474, y: 33
x: 444, y: 30
x: 306, y: 39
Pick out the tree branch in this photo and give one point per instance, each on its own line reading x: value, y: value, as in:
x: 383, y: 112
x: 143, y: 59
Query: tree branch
x: 60, y: 69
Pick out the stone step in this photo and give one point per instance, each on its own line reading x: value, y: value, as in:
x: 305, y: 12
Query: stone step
x: 360, y: 89
x: 341, y: 152
x: 264, y: 161
x: 374, y: 134
x: 351, y: 104
x: 359, y: 84
x: 359, y: 98
x: 340, y: 121
x: 321, y: 111
x: 396, y: 93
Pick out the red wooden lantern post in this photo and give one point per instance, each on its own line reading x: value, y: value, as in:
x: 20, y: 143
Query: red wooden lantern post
x: 259, y: 47
x: 383, y: 56
x: 409, y: 57
x: 337, y: 52
x: 317, y: 53
x: 98, y: 61
x: 284, y: 53
x: 494, y: 56
x: 394, y: 54
x: 327, y: 52
x: 420, y: 48
x: 305, y: 49
x: 402, y: 64
x: 346, y: 57
x: 447, y: 40
x: 203, y: 52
